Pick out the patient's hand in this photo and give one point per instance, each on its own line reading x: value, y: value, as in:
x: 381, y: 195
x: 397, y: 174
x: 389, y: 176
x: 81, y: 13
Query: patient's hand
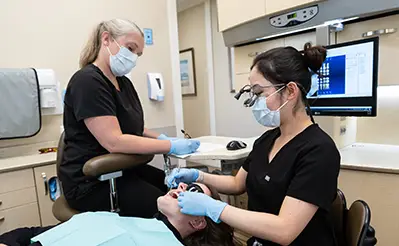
x: 2, y: 244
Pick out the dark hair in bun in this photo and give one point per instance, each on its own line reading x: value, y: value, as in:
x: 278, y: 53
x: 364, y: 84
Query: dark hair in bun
x: 286, y: 64
x: 314, y: 56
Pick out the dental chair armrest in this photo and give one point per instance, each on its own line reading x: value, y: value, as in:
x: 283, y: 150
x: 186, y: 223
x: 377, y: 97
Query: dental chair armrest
x: 111, y: 163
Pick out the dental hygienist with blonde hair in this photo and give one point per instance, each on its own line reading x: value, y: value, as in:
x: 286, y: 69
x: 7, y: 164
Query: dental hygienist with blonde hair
x: 103, y: 114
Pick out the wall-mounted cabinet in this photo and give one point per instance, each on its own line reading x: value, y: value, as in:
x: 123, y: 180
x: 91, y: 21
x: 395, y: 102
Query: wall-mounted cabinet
x: 235, y: 12
x: 244, y: 55
x: 389, y: 45
x: 273, y: 6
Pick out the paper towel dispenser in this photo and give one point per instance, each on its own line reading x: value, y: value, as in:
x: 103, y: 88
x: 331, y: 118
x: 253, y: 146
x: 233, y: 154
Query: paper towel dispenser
x: 50, y: 94
x: 155, y: 83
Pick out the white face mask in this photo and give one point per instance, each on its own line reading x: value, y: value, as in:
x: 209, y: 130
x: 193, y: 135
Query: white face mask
x: 123, y: 62
x: 264, y: 115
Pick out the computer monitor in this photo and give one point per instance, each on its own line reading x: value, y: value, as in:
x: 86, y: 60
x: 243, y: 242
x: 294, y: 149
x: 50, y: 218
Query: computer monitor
x: 347, y: 81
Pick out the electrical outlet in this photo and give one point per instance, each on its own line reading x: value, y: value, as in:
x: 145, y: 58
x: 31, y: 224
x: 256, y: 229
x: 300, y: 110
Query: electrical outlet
x: 342, y: 131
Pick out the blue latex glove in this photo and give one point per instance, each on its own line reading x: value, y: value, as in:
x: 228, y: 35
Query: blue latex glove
x: 183, y: 146
x: 184, y: 175
x: 164, y: 137
x: 199, y: 204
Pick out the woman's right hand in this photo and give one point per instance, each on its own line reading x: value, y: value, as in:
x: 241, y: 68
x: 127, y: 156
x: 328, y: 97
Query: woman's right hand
x: 183, y: 146
x: 184, y: 175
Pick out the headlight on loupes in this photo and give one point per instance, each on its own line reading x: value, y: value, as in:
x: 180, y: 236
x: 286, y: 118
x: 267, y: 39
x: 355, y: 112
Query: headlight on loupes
x: 253, y: 91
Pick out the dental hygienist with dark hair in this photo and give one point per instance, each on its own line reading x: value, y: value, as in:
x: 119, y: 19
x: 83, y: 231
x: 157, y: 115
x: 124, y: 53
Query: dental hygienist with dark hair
x: 291, y: 173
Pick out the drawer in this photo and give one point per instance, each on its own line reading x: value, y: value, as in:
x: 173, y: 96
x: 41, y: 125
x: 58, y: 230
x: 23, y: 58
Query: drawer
x: 18, y: 180
x: 22, y: 216
x: 17, y: 198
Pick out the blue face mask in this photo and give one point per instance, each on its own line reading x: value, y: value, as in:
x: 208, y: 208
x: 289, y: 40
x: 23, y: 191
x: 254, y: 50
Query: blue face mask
x: 123, y: 62
x: 264, y: 115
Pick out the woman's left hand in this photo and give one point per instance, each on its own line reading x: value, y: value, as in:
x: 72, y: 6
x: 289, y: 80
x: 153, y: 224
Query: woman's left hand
x: 199, y: 204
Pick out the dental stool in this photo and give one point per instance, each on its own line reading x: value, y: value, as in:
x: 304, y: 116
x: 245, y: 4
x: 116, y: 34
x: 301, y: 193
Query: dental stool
x: 107, y: 167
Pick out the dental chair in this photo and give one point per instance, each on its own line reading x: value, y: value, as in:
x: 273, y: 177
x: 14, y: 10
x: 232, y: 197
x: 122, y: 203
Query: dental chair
x: 358, y: 230
x: 105, y: 168
x: 338, y: 212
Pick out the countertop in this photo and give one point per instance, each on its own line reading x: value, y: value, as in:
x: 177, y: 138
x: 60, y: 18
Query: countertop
x: 26, y: 156
x: 370, y: 157
x: 222, y: 153
x: 358, y: 156
x: 27, y: 161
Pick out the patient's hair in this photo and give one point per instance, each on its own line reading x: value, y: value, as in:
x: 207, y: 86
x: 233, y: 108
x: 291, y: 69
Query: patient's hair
x: 214, y: 234
x: 116, y: 27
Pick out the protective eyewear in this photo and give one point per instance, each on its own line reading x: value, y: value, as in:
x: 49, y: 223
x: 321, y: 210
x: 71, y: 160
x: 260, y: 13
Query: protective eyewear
x: 194, y: 188
x: 254, y: 92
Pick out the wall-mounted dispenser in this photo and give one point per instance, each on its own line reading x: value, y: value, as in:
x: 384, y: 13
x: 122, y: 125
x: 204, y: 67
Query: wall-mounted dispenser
x: 50, y: 94
x: 156, y: 90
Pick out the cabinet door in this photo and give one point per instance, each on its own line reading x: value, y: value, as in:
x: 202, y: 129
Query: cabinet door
x: 389, y: 45
x: 380, y: 192
x: 43, y: 194
x: 299, y: 41
x: 17, y: 217
x: 244, y: 55
x: 234, y: 12
x: 273, y: 6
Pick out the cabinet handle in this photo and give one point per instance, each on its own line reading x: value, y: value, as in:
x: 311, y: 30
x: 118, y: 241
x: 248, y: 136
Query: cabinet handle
x: 2, y: 218
x: 1, y: 202
x: 44, y: 176
x: 253, y: 54
x: 379, y: 32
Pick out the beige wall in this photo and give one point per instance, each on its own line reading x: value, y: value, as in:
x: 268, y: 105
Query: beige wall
x: 191, y: 23
x: 382, y: 129
x: 50, y: 34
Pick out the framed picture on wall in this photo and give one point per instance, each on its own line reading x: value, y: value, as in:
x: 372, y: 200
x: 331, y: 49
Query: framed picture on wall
x: 187, y: 73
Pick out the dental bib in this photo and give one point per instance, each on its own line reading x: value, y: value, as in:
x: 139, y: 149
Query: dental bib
x: 108, y: 229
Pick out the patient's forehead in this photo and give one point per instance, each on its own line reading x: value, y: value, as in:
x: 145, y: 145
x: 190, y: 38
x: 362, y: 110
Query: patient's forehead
x: 205, y: 189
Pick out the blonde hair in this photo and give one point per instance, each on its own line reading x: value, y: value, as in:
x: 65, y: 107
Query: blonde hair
x: 116, y: 28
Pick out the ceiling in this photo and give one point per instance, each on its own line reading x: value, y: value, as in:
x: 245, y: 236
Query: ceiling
x: 186, y: 4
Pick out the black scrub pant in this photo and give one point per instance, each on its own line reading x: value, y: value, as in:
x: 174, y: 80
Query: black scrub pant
x: 22, y: 236
x: 138, y: 190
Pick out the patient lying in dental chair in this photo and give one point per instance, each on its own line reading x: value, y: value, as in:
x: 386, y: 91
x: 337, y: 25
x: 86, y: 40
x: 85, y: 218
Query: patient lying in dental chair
x: 169, y: 227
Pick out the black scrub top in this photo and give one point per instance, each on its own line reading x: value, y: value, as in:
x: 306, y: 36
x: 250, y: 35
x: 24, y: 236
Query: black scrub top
x: 306, y: 168
x: 89, y: 94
